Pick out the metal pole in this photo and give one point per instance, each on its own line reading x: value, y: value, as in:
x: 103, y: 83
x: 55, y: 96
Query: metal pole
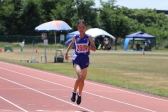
x: 55, y: 38
x: 33, y: 52
x: 45, y: 54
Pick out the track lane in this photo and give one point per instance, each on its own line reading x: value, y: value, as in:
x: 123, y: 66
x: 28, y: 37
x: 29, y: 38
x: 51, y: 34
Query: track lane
x: 102, y: 93
x: 56, y: 91
x: 5, y: 104
x: 34, y: 100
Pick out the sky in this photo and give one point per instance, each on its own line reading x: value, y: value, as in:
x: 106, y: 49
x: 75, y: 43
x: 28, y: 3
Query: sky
x: 141, y: 4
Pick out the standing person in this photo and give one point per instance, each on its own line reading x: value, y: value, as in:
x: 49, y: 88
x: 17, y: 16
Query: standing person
x: 83, y: 44
x: 22, y: 45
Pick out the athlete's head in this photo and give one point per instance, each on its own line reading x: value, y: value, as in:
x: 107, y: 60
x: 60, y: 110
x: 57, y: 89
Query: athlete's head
x: 81, y: 26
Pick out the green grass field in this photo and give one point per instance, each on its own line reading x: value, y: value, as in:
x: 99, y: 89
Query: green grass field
x: 146, y: 73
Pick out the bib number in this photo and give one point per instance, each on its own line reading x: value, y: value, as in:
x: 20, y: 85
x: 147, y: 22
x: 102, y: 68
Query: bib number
x: 81, y: 49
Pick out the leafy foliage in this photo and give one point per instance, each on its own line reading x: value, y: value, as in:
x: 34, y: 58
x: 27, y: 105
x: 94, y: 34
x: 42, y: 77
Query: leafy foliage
x: 20, y: 17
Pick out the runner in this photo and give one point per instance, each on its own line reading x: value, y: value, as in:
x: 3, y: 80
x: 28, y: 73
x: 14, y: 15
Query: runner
x: 83, y: 44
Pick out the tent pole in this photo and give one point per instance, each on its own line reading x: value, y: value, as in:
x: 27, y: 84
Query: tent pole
x: 155, y: 43
x: 133, y: 42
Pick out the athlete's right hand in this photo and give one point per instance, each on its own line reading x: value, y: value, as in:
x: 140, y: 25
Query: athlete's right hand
x: 66, y: 56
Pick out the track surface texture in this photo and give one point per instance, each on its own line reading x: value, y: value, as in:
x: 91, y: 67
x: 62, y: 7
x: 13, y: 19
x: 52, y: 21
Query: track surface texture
x: 24, y: 89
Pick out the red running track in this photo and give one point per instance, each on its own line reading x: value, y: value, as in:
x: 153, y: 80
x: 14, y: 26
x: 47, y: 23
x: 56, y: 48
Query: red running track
x: 24, y: 89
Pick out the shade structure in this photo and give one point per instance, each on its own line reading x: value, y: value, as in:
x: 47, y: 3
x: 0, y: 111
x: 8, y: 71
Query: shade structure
x: 55, y: 25
x: 138, y: 36
x: 96, y: 32
x: 69, y: 37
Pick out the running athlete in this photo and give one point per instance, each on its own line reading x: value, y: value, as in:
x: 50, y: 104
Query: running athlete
x: 83, y: 44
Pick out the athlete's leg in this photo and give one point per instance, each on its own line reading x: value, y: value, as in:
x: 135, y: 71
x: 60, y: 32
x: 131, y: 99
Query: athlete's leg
x: 81, y: 85
x: 79, y: 82
x: 80, y: 77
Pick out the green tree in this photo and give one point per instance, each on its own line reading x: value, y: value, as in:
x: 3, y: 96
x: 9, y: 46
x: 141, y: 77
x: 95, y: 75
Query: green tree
x: 45, y: 8
x: 10, y: 10
x: 30, y: 18
x: 84, y: 9
x: 2, y: 22
x: 107, y: 16
x: 64, y: 10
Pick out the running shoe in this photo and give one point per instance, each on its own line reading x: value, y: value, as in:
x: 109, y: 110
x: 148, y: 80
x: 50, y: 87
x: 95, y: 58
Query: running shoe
x: 73, y: 97
x: 79, y: 100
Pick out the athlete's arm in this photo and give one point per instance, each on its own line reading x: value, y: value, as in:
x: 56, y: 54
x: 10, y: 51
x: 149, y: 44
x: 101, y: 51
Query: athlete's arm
x: 92, y: 45
x: 69, y: 47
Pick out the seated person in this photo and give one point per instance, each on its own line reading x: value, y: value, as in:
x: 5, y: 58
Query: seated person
x: 146, y: 48
x: 99, y: 47
x: 107, y: 44
x: 138, y: 47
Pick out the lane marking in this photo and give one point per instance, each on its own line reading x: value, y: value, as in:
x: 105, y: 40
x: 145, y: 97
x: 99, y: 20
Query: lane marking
x: 5, y: 110
x: 12, y: 88
x: 13, y: 104
x: 85, y: 81
x: 43, y: 110
x: 83, y: 91
x: 121, y: 102
x: 46, y: 95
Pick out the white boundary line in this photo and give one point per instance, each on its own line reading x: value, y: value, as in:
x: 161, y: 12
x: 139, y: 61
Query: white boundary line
x: 86, y: 81
x: 13, y: 104
x: 83, y: 91
x: 46, y: 94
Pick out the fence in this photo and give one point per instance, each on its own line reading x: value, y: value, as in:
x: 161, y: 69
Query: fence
x: 29, y: 39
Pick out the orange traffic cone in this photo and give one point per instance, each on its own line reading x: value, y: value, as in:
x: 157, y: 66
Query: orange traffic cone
x: 143, y: 53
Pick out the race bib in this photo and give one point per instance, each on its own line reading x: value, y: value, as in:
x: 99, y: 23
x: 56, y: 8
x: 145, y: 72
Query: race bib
x: 74, y: 56
x: 81, y: 49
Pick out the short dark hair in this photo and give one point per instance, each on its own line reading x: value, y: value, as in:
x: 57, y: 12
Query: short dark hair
x: 82, y: 21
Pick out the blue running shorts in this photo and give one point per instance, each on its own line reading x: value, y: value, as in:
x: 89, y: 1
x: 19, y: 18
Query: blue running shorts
x: 82, y: 61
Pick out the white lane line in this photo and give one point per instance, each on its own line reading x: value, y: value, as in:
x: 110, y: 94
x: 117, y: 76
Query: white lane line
x: 121, y: 102
x: 85, y: 81
x: 83, y: 91
x: 5, y: 110
x: 13, y: 104
x: 46, y: 94
x: 43, y: 110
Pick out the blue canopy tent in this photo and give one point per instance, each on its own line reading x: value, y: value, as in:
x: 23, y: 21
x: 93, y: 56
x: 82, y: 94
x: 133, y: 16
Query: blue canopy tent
x: 138, y: 36
x: 69, y: 37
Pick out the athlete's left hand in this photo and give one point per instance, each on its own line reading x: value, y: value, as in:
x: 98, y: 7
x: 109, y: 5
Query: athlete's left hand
x: 85, y: 46
x: 89, y: 47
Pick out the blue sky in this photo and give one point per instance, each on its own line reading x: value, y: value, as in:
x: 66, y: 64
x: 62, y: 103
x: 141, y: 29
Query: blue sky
x: 141, y: 4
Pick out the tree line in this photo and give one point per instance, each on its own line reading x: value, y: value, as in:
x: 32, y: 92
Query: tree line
x: 20, y: 17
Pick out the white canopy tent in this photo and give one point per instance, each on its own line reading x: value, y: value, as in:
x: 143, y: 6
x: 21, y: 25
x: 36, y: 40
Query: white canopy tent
x: 96, y: 32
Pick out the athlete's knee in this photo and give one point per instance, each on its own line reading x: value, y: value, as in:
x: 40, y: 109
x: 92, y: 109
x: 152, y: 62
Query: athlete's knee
x: 80, y: 78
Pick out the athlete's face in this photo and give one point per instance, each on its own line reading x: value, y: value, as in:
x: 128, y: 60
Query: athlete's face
x: 81, y: 28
